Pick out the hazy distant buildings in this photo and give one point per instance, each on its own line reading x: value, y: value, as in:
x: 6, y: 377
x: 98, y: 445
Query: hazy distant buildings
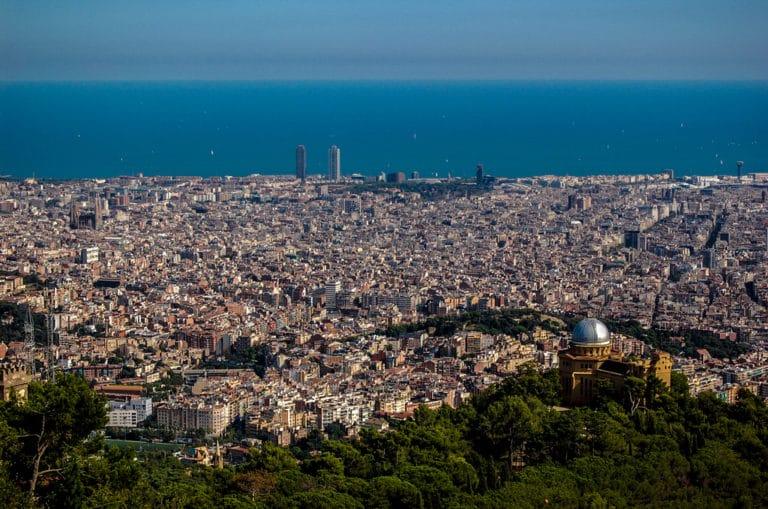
x: 709, y: 259
x: 483, y: 179
x: 634, y: 239
x: 343, y: 261
x: 397, y: 177
x: 334, y: 163
x: 79, y: 220
x: 301, y: 162
x: 578, y: 202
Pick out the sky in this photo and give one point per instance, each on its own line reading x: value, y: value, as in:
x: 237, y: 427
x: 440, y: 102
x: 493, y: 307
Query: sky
x: 386, y: 39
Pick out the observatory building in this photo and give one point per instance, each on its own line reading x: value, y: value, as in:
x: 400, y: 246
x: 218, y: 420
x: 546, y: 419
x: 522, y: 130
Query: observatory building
x: 589, y: 359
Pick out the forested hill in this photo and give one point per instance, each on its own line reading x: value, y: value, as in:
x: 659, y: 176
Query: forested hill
x: 507, y: 448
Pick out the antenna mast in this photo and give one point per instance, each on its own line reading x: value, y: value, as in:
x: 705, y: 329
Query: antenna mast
x: 51, y: 358
x: 29, y: 341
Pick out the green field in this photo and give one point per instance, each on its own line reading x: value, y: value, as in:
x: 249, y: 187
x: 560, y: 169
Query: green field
x: 145, y: 446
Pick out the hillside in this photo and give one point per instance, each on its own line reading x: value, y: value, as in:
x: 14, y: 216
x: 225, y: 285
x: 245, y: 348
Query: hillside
x: 507, y: 448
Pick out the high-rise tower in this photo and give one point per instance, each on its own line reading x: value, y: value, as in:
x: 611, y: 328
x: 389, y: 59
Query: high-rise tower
x: 334, y: 163
x: 301, y: 162
x: 739, y: 165
x: 332, y: 289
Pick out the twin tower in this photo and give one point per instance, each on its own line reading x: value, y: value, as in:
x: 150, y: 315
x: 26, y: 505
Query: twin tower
x: 334, y: 163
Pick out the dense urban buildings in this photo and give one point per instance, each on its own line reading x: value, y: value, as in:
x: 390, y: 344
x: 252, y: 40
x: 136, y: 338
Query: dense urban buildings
x: 172, y: 275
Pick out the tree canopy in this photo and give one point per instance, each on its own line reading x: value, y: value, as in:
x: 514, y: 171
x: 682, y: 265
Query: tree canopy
x: 42, y: 436
x: 507, y: 447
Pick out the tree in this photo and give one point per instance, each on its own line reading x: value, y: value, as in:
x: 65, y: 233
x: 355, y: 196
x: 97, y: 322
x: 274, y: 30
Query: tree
x: 257, y: 484
x: 530, y: 382
x: 10, y: 490
x: 507, y: 426
x: 634, y: 388
x: 463, y: 475
x: 390, y: 491
x: 335, y: 430
x: 323, y: 462
x: 271, y: 458
x: 604, y: 393
x: 355, y: 464
x: 56, y: 420
x: 679, y: 384
x: 605, y: 435
x: 325, y: 500
x: 656, y: 393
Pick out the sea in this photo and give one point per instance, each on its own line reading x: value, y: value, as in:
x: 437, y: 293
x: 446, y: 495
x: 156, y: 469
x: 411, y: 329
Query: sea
x: 436, y: 128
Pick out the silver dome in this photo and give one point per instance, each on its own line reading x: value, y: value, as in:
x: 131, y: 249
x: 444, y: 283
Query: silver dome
x: 591, y: 332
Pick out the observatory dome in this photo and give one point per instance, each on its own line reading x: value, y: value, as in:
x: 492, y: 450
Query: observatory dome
x: 591, y: 332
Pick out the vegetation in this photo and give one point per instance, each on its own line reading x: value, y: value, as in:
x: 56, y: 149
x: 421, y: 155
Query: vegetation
x: 432, y: 191
x: 508, y: 447
x: 165, y: 387
x: 519, y: 321
x: 507, y: 321
x: 256, y: 357
x: 12, y: 319
x: 684, y: 342
x: 43, y: 438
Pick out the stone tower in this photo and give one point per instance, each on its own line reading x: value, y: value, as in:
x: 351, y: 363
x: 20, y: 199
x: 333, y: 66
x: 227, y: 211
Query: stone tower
x: 14, y: 378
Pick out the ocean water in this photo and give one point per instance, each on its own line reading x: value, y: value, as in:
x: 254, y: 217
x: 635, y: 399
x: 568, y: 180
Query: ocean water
x: 102, y: 129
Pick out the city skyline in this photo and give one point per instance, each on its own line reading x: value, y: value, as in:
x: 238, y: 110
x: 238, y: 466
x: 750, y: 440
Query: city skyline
x: 596, y: 39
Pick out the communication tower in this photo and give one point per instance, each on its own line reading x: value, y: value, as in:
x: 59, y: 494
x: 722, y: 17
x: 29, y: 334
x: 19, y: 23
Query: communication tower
x: 49, y: 354
x: 29, y: 341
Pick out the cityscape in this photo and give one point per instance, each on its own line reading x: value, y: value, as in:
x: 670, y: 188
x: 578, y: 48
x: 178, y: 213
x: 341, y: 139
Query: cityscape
x: 272, y: 309
x: 538, y: 277
x: 141, y: 277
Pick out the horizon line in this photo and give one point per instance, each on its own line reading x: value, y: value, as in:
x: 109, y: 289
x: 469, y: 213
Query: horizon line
x: 392, y: 80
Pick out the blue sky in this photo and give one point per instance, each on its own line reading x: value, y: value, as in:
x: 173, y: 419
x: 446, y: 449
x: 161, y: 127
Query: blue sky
x: 393, y: 39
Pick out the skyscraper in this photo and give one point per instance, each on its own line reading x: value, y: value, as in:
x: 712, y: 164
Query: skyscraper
x: 334, y: 163
x: 301, y: 162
